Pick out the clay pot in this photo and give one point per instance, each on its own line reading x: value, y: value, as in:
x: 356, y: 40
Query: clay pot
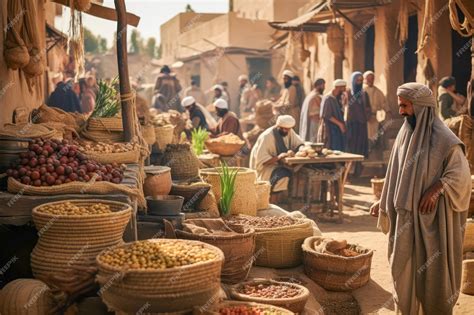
x: 164, y: 205
x: 157, y: 181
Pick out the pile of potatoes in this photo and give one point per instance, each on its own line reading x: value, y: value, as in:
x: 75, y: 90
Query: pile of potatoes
x: 68, y: 208
x: 155, y: 255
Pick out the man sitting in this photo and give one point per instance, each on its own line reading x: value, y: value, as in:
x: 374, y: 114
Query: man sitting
x: 228, y: 121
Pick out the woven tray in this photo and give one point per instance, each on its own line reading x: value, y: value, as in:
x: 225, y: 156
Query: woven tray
x: 224, y: 149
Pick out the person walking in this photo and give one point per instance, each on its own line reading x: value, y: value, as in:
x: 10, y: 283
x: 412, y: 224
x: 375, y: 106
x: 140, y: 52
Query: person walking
x: 310, y: 112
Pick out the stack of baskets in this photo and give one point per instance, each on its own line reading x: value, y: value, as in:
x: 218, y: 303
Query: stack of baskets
x: 245, y: 196
x: 280, y: 247
x: 237, y: 248
x: 106, y: 129
x: 263, y: 189
x: 334, y: 272
x: 176, y: 289
x: 295, y: 304
x: 69, y: 240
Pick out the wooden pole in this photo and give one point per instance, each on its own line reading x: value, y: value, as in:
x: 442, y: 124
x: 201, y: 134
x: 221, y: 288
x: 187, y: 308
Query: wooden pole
x: 122, y: 61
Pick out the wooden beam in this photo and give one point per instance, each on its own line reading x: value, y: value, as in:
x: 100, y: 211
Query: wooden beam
x: 105, y: 12
x: 128, y: 117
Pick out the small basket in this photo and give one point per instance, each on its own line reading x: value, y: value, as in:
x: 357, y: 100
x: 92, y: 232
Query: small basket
x: 377, y: 185
x: 467, y: 284
x: 148, y: 134
x: 333, y: 272
x: 224, y: 149
x: 468, y: 244
x: 295, y: 304
x: 263, y: 189
x: 105, y: 124
x: 164, y: 136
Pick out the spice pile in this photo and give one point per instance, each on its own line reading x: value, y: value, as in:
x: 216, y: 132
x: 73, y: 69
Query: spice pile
x: 56, y: 162
x: 68, y: 208
x: 247, y: 310
x: 345, y: 252
x: 154, y: 255
x: 270, y: 290
x: 100, y: 147
x: 263, y: 222
x: 227, y: 139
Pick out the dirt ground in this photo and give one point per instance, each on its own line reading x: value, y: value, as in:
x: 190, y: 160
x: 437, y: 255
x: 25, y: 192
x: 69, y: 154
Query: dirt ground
x: 359, y: 227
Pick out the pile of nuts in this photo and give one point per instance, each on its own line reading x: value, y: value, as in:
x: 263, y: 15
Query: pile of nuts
x: 270, y: 290
x: 228, y: 138
x: 247, y: 310
x: 68, y: 208
x: 100, y: 147
x: 156, y: 255
x: 263, y: 222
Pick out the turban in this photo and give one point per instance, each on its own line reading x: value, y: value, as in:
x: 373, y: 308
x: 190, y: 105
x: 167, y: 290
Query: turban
x: 417, y: 93
x: 447, y: 81
x: 339, y: 82
x: 188, y: 101
x: 243, y: 77
x: 218, y: 87
x: 220, y: 103
x: 367, y: 73
x: 288, y: 73
x: 285, y: 121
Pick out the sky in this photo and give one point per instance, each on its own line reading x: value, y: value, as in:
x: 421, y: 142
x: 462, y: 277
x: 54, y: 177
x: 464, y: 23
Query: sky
x: 152, y: 14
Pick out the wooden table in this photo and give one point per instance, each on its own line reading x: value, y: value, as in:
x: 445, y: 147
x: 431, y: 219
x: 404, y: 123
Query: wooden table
x: 347, y: 159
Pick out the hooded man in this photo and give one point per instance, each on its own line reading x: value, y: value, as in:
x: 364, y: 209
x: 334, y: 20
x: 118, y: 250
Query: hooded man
x: 271, y: 147
x: 219, y: 93
x: 377, y: 103
x: 332, y: 129
x: 310, y: 112
x: 424, y: 206
x: 167, y: 84
x: 199, y: 116
x: 228, y: 121
x: 451, y: 104
x: 287, y: 104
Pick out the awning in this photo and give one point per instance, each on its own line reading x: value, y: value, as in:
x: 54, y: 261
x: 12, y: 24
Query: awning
x: 324, y: 10
x: 54, y: 37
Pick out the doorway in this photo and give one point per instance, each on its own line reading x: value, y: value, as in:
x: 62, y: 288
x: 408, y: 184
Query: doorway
x: 369, y: 48
x: 259, y: 70
x: 410, y: 60
x: 461, y: 59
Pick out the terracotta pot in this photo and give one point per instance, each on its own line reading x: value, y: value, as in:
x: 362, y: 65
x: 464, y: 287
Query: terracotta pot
x: 157, y: 181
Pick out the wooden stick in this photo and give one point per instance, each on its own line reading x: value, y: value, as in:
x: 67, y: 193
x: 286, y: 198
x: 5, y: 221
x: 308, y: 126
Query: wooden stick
x: 122, y: 60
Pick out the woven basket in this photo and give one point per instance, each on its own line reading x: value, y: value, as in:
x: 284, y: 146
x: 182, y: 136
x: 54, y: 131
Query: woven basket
x: 333, y: 272
x: 177, y: 280
x: 377, y: 185
x: 105, y: 124
x: 103, y: 136
x: 164, y: 136
x: 26, y: 297
x: 183, y: 162
x: 245, y: 196
x: 238, y: 251
x: 262, y: 307
x: 468, y: 244
x: 295, y: 304
x: 67, y: 240
x: 224, y: 149
x: 148, y: 134
x: 192, y: 193
x: 467, y: 283
x: 281, y: 247
x: 263, y: 189
x: 119, y: 157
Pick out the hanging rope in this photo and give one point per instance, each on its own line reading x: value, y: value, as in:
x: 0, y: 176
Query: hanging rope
x: 15, y: 51
x: 35, y: 66
x: 402, y: 21
x: 466, y: 28
x: 76, y: 38
x: 427, y: 27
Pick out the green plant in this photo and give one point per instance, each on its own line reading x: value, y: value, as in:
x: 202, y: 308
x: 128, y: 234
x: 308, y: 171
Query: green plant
x: 227, y: 178
x: 107, y: 102
x: 198, y: 138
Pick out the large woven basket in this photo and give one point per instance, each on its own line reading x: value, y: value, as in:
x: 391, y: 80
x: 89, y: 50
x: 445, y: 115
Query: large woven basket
x: 333, y: 272
x: 237, y: 249
x: 467, y: 283
x: 468, y: 244
x: 148, y: 134
x: 224, y: 149
x: 281, y: 247
x: 103, y: 135
x: 226, y: 304
x: 105, y: 124
x: 26, y: 297
x: 245, y: 196
x: 68, y: 240
x: 193, y: 193
x: 119, y: 157
x: 164, y: 136
x: 183, y: 162
x: 295, y: 304
x: 263, y: 189
x: 158, y: 282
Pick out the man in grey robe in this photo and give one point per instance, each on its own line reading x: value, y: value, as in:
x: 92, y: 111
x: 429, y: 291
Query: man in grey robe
x: 423, y: 207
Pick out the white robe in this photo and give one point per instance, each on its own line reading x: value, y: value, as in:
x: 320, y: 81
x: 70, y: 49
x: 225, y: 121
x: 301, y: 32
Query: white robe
x: 265, y: 149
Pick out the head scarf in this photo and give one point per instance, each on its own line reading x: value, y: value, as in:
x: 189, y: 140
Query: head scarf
x: 285, y: 121
x: 447, y: 82
x: 220, y: 103
x: 339, y: 82
x: 188, y: 101
x: 288, y: 73
x: 356, y: 88
x: 367, y: 73
x: 418, y: 154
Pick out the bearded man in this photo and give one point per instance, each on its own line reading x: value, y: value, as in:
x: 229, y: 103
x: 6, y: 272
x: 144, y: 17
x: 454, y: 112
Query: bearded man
x: 423, y: 207
x: 228, y: 121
